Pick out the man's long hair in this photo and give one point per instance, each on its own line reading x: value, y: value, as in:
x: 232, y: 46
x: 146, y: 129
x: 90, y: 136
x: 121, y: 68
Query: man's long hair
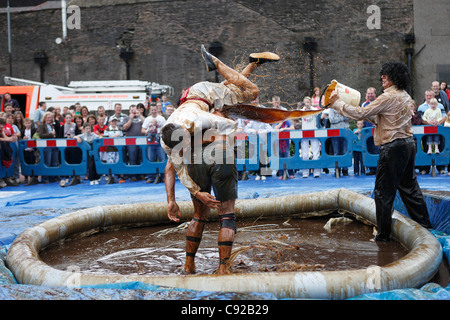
x: 398, y: 73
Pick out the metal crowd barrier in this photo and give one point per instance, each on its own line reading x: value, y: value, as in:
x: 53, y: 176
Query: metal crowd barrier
x: 369, y: 159
x: 423, y: 159
x: 247, y: 152
x: 325, y: 160
x: 122, y: 166
x: 251, y: 153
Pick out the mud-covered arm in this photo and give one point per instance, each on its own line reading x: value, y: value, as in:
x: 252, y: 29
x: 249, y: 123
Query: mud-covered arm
x: 173, y: 211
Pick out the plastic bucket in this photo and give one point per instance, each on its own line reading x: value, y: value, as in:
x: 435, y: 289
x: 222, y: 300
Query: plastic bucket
x: 348, y: 95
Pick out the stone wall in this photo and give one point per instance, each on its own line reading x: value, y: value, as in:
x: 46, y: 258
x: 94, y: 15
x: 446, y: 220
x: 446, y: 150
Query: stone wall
x: 166, y: 38
x: 432, y: 43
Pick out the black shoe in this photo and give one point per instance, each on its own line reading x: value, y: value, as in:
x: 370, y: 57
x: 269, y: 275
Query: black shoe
x: 32, y: 182
x: 110, y: 180
x: 210, y: 65
x: 75, y: 180
x: 381, y: 239
x: 262, y: 57
x: 11, y: 182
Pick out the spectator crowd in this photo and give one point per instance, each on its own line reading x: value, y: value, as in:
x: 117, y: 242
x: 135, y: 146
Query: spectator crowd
x: 78, y: 122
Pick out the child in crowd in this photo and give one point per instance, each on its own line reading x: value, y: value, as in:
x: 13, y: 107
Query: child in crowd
x: 432, y: 116
x: 358, y: 166
x: 111, y: 153
x: 68, y: 132
x: 153, y: 132
x: 8, y: 129
x: 89, y: 137
x: 310, y: 123
x: 113, y: 131
x: 99, y: 129
x: 69, y: 126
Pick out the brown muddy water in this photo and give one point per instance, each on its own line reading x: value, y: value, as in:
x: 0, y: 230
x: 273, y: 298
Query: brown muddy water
x: 260, y: 246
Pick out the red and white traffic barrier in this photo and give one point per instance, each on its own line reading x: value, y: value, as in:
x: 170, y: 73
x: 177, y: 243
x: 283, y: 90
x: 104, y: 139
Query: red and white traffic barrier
x: 425, y: 129
x: 42, y: 143
x: 132, y: 141
x: 307, y: 134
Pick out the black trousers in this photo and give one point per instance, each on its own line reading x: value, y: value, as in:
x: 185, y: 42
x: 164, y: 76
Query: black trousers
x: 92, y: 171
x: 395, y: 171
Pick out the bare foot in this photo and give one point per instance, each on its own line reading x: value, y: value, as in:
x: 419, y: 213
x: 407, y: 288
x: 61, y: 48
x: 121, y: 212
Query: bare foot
x: 189, y: 267
x: 224, y: 269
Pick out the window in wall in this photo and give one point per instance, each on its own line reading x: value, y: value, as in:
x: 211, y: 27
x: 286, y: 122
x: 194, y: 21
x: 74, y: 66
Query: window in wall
x: 443, y: 72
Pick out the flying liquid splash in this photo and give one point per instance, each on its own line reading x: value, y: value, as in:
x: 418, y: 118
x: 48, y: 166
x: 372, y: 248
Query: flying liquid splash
x: 266, y: 115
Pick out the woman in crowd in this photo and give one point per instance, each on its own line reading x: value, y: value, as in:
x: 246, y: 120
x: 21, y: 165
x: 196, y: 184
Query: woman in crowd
x: 78, y: 120
x: 19, y: 120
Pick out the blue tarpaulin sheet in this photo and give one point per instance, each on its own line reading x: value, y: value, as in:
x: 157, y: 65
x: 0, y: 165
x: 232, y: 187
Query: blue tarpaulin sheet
x: 430, y: 291
x: 24, y: 207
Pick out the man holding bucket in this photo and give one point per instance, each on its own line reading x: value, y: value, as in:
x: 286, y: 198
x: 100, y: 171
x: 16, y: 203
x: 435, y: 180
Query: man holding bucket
x: 394, y: 134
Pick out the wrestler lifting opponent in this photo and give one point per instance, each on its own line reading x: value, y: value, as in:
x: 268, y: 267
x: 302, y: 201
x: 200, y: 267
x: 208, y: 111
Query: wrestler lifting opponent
x: 214, y: 165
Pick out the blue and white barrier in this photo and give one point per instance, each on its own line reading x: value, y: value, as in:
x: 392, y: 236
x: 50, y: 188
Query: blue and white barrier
x: 63, y: 167
x: 251, y: 152
x: 248, y: 149
x: 422, y: 157
x: 325, y: 160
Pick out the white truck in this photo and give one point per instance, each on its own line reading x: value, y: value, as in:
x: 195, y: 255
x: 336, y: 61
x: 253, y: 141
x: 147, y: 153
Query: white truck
x: 91, y: 94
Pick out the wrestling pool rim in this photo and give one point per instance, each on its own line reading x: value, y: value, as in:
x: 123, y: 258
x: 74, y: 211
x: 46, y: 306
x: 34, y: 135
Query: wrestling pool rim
x: 413, y: 270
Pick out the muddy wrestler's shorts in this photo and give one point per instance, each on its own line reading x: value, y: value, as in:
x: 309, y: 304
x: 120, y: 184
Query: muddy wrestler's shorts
x: 216, y: 169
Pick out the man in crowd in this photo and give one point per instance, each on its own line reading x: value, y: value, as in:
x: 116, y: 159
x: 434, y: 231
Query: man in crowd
x: 39, y: 114
x: 132, y: 127
x: 152, y: 128
x: 440, y: 95
x: 14, y: 102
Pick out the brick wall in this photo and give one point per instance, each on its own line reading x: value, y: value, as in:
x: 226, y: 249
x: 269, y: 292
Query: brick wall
x: 166, y: 37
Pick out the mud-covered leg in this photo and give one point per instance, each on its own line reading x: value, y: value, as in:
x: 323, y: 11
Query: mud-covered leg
x: 194, y: 235
x: 226, y: 239
x: 240, y: 79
